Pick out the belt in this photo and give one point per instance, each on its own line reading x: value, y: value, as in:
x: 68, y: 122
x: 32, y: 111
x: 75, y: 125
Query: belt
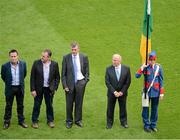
x: 15, y: 85
x: 45, y: 87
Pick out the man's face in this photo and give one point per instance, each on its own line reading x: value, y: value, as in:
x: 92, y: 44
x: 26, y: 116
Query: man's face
x: 152, y: 61
x: 45, y: 57
x: 116, y: 61
x: 75, y: 50
x: 13, y: 57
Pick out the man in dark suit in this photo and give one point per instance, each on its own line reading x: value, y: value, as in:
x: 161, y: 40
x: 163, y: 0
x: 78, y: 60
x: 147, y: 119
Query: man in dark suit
x: 75, y: 75
x: 13, y: 74
x: 44, y: 81
x: 117, y: 79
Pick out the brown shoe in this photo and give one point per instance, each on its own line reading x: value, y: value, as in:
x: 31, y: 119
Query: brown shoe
x: 35, y: 125
x: 51, y: 124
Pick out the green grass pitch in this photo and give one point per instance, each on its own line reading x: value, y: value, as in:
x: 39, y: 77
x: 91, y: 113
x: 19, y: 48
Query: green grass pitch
x: 102, y: 28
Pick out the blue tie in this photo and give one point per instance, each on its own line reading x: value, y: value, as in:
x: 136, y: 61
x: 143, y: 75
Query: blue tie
x: 117, y: 73
x: 75, y: 68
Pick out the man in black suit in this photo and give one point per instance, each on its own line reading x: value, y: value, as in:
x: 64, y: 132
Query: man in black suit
x: 44, y: 81
x: 13, y: 74
x: 117, y: 79
x: 75, y: 75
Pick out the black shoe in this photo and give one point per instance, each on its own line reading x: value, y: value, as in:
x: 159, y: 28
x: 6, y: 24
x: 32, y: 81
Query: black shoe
x: 154, y: 129
x: 68, y: 125
x: 23, y: 125
x: 6, y: 125
x: 125, y: 125
x: 79, y: 123
x: 108, y: 126
x: 148, y: 130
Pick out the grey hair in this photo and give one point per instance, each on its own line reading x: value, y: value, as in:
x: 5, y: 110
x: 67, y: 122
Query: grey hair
x: 117, y: 55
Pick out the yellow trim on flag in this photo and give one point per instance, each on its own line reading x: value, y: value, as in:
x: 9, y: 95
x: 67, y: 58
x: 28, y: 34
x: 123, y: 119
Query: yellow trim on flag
x: 143, y: 48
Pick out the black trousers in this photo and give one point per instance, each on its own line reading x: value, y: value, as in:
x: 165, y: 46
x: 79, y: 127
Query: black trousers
x: 122, y: 109
x: 16, y: 91
x: 75, y: 96
x: 49, y: 105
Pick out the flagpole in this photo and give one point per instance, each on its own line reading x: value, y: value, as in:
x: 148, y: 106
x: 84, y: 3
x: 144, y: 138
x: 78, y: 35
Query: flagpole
x: 146, y: 53
x: 147, y: 39
x: 147, y: 36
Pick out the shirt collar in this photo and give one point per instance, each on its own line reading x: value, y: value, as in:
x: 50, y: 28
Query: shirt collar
x: 152, y: 66
x: 75, y: 55
x: 13, y: 65
x: 118, y: 67
x: 46, y: 63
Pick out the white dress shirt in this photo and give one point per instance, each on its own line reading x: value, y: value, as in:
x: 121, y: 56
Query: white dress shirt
x: 15, y: 74
x: 79, y: 73
x: 46, y: 69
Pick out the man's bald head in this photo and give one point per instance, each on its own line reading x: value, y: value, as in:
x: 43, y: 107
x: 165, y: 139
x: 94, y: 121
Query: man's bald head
x: 116, y: 59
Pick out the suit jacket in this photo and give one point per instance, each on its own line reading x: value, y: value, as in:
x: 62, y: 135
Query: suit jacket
x: 68, y: 70
x: 6, y: 76
x: 113, y: 84
x: 37, y: 78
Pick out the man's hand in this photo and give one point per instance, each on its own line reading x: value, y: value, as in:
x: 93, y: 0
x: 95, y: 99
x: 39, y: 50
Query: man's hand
x: 33, y: 93
x: 116, y: 94
x: 120, y: 94
x: 66, y: 90
x: 143, y: 66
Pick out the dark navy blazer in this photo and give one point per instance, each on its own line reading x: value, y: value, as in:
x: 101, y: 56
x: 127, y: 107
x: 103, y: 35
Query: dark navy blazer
x: 6, y: 76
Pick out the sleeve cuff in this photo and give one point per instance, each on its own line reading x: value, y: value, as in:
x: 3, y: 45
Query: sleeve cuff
x: 140, y: 71
x: 162, y: 91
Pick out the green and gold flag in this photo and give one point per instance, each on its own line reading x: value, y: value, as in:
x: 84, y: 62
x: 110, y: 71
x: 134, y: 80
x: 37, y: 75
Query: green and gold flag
x: 146, y: 24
